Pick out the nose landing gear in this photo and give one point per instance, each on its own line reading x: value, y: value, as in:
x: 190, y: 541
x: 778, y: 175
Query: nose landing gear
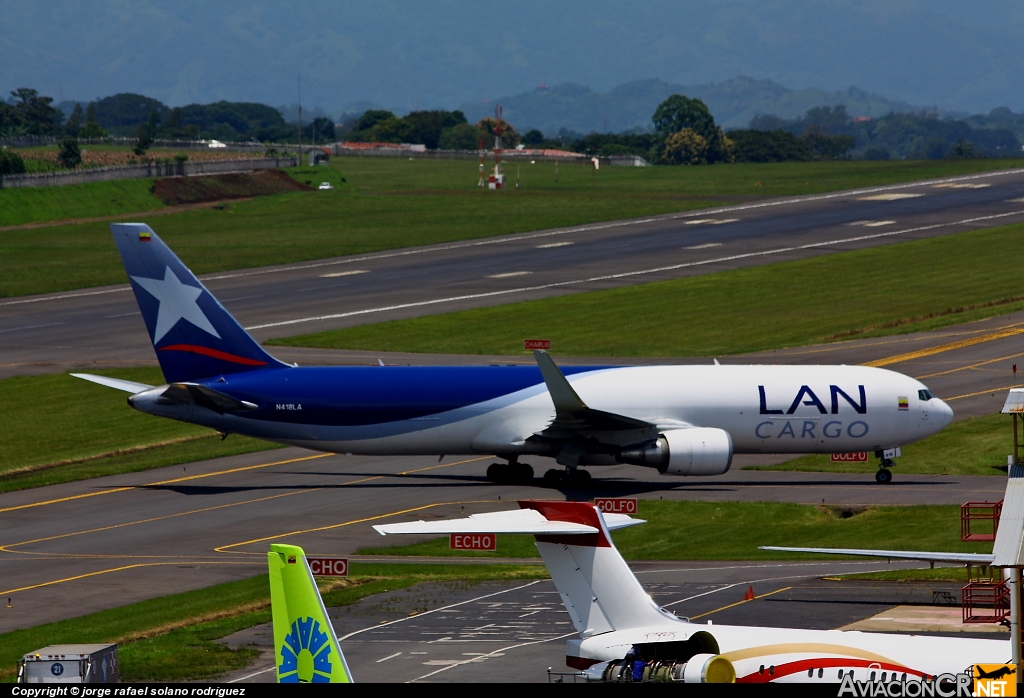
x: 884, y: 475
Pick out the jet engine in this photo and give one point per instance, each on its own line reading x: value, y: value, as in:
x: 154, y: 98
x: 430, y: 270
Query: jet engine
x: 700, y: 668
x: 694, y: 451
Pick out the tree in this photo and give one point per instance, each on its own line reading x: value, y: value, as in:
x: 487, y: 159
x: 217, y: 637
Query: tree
x: 127, y: 110
x: 687, y: 147
x: 371, y: 118
x: 92, y: 129
x: 489, y: 128
x: 753, y: 145
x: 321, y: 130
x: 533, y: 137
x: 678, y: 113
x: 460, y: 137
x: 11, y: 121
x: 961, y: 150
x: 74, y: 124
x: 831, y: 120
x: 11, y: 162
x: 70, y: 156
x: 825, y: 146
x: 38, y: 116
x: 146, y: 132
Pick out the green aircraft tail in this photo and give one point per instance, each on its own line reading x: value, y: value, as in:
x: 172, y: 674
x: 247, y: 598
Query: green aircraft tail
x: 307, y: 650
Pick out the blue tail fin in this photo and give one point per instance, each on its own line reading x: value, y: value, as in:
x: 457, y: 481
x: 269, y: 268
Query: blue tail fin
x: 193, y: 335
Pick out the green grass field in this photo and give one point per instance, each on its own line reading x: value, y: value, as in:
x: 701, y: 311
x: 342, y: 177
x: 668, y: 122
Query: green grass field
x: 887, y: 290
x: 39, y: 204
x: 734, y: 530
x: 391, y: 203
x: 173, y: 638
x: 58, y: 428
x: 976, y: 446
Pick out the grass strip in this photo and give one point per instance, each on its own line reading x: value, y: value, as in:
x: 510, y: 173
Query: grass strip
x: 58, y: 428
x: 975, y: 446
x: 873, y: 292
x: 173, y: 638
x: 390, y: 203
x: 734, y: 530
x: 38, y: 204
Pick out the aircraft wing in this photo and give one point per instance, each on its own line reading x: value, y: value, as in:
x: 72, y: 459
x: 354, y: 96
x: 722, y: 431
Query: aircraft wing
x: 117, y: 383
x: 575, y: 422
x: 927, y: 556
x: 528, y: 521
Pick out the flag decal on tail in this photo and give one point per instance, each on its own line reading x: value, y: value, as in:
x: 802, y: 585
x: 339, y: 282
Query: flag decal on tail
x: 145, y: 236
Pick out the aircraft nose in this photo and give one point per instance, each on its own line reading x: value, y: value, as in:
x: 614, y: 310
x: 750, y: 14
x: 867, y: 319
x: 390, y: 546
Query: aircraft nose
x: 943, y: 413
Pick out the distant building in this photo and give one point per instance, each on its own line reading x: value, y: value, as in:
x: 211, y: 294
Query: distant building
x: 858, y: 119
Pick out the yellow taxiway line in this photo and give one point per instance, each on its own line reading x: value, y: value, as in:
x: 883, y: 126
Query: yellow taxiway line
x: 165, y: 482
x: 1009, y: 331
x: 740, y: 603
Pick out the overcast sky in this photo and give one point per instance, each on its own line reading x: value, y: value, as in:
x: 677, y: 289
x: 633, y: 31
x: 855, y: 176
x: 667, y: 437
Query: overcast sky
x: 956, y: 55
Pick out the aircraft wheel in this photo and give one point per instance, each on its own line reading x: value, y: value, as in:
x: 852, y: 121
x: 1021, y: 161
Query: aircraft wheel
x: 524, y: 473
x: 497, y: 472
x: 581, y: 478
x: 883, y: 477
x: 554, y: 478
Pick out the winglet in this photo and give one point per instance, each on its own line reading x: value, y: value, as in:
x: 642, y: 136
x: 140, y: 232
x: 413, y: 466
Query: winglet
x: 306, y: 650
x: 562, y: 393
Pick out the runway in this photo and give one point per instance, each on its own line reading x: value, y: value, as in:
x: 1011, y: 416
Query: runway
x: 102, y: 326
x: 72, y: 549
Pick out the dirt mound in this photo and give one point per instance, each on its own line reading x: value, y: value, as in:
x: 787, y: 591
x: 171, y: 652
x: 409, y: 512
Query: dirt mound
x: 238, y: 185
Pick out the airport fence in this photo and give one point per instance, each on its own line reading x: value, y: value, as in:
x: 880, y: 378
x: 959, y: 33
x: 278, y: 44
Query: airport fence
x: 145, y: 170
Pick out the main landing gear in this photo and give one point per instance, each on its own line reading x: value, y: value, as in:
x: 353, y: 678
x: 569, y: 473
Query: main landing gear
x: 570, y: 477
x: 884, y: 475
x: 511, y: 473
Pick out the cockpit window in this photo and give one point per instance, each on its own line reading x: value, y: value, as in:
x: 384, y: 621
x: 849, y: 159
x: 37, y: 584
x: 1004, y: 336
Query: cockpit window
x: 924, y: 395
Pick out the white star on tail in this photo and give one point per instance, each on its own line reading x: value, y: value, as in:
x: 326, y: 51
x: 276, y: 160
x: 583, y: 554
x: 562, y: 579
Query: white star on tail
x: 177, y: 301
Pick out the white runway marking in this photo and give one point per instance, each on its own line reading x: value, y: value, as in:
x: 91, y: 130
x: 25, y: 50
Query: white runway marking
x: 555, y: 244
x: 711, y: 221
x: 705, y: 246
x: 890, y: 197
x: 627, y: 274
x: 872, y: 224
x: 33, y: 327
x: 960, y: 185
x: 352, y: 272
x: 390, y: 656
x: 509, y: 274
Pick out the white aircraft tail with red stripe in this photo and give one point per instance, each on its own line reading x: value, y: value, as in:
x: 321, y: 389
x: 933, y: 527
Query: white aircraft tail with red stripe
x: 595, y: 583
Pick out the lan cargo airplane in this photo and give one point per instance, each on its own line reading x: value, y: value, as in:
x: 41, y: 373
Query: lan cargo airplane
x: 681, y: 420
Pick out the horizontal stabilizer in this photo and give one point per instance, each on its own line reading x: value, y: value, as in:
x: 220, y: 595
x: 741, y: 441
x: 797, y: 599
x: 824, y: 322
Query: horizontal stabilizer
x: 528, y: 521
x: 116, y: 383
x: 924, y: 555
x: 192, y: 393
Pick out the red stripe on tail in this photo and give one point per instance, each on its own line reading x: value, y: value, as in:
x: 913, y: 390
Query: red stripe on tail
x: 214, y: 353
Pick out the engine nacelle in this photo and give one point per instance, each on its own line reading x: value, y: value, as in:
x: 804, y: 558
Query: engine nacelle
x: 694, y: 451
x: 700, y: 668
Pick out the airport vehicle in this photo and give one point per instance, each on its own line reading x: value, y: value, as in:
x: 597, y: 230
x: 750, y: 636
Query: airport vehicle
x: 619, y: 624
x: 681, y: 420
x: 306, y: 648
